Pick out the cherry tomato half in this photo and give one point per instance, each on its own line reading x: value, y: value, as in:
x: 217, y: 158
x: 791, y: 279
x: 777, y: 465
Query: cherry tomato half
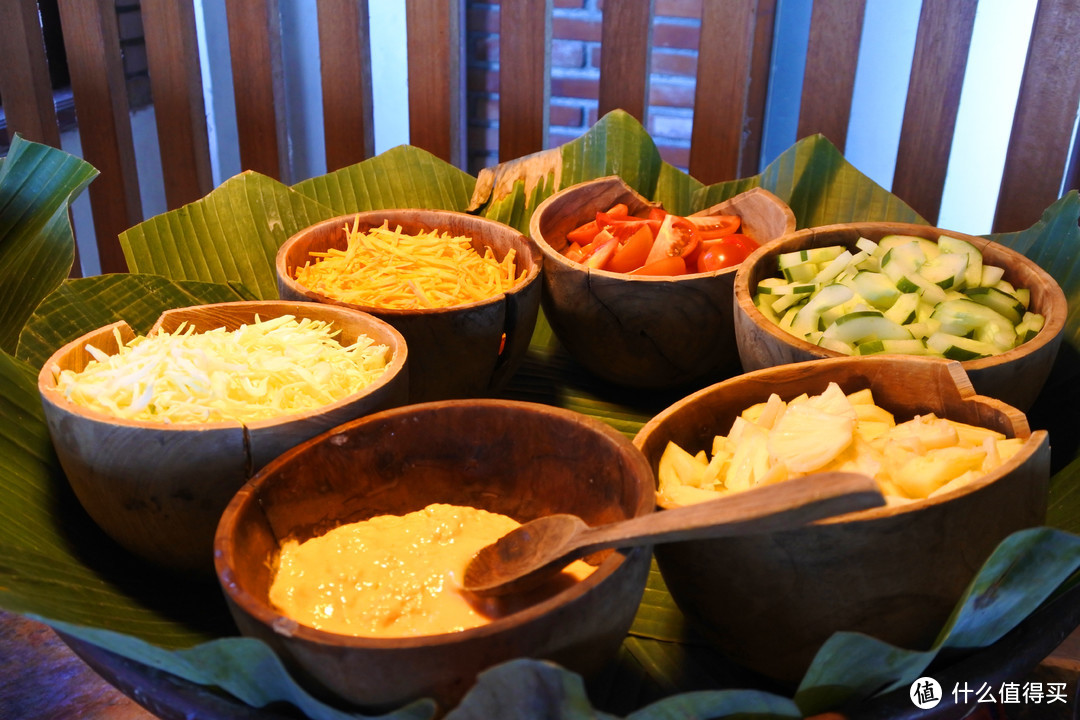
x: 724, y: 252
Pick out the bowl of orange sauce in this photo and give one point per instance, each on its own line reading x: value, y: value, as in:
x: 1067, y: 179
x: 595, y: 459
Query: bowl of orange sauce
x: 335, y: 552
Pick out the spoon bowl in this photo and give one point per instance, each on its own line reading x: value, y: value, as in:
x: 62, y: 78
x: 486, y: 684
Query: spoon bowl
x: 532, y: 553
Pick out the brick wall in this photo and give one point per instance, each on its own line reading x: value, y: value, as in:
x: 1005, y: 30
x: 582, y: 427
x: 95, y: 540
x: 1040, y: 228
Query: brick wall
x: 575, y: 75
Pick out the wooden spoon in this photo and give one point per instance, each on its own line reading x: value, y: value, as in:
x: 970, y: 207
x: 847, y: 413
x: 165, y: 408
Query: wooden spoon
x: 527, y: 555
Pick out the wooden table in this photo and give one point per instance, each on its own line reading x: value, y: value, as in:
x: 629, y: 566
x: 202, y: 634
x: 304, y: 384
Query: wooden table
x: 42, y: 679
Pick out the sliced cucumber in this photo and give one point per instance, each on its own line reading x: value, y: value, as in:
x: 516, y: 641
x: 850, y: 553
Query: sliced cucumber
x: 998, y: 300
x: 877, y: 289
x: 904, y: 310
x: 866, y: 325
x: 955, y: 347
x: 973, y: 273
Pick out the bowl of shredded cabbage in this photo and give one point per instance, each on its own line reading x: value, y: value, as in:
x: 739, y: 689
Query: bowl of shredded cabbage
x: 462, y: 290
x: 156, y: 432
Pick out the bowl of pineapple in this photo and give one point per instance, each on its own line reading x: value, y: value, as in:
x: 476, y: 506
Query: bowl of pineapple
x: 860, y: 289
x: 960, y: 472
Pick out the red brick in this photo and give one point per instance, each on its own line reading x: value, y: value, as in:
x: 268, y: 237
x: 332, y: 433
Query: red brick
x: 485, y: 49
x: 479, y: 18
x: 481, y: 80
x: 671, y: 95
x: 567, y: 53
x: 674, y: 127
x: 575, y: 29
x: 483, y: 109
x: 557, y: 139
x: 670, y: 63
x: 570, y: 4
x: 677, y: 8
x: 566, y: 115
x: 674, y: 155
x: 587, y: 88
x: 675, y: 35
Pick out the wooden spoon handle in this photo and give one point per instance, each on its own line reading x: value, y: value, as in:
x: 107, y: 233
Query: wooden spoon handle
x: 763, y: 509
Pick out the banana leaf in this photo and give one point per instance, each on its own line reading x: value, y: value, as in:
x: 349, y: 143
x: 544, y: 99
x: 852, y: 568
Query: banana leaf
x: 57, y: 567
x: 37, y: 248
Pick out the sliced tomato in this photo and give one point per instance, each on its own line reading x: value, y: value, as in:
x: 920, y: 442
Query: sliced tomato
x: 714, y: 226
x: 675, y: 238
x: 657, y: 213
x: 573, y: 252
x: 583, y: 234
x: 671, y: 265
x: 603, y: 254
x: 618, y: 210
x: 631, y: 254
x: 724, y: 252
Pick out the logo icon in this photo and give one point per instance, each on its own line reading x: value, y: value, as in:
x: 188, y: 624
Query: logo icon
x: 925, y: 693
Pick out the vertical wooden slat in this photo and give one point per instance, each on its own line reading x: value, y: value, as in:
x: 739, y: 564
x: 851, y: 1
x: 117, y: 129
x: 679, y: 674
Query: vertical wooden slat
x: 24, y: 83
x: 92, y: 43
x: 436, y: 85
x: 937, y: 76
x: 829, y: 79
x: 258, y: 85
x: 345, y: 66
x: 720, y: 99
x: 1045, y: 116
x: 625, y: 47
x: 172, y: 52
x: 524, y: 77
x: 758, y: 95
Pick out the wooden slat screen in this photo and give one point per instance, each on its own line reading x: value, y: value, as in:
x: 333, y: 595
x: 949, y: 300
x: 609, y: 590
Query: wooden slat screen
x: 626, y: 43
x: 24, y: 83
x: 97, y: 82
x: 436, y: 85
x: 258, y: 85
x: 829, y: 79
x: 524, y: 76
x: 757, y: 96
x: 725, y: 56
x: 1045, y: 117
x: 937, y: 76
x: 172, y: 53
x: 345, y: 59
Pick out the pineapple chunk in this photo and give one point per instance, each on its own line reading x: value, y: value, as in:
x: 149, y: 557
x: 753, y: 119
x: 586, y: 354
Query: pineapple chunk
x: 679, y: 468
x: 750, y: 461
x: 862, y: 397
x: 923, y: 474
x: 929, y: 431
x: 674, y: 496
x: 807, y: 437
x: 870, y: 431
x: 1008, y: 447
x: 973, y: 435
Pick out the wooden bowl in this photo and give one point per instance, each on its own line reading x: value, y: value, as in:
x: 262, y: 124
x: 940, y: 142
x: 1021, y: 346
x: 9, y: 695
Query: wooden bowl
x: 463, y: 351
x: 158, y: 489
x: 895, y: 572
x: 518, y: 459
x: 1015, y: 376
x: 641, y: 331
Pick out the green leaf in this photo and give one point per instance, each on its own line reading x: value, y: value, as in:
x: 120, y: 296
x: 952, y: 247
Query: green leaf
x: 230, y: 236
x: 37, y: 247
x: 404, y: 177
x: 79, y: 306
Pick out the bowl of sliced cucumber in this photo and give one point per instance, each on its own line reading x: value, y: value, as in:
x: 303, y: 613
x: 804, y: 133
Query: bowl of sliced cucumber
x: 860, y: 289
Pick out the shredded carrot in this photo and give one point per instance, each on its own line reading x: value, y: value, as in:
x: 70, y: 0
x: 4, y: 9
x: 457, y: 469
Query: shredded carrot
x: 386, y: 268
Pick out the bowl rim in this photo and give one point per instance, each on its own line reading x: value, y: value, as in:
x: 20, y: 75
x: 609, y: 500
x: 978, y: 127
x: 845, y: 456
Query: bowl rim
x: 568, y: 265
x: 532, y: 273
x: 49, y: 392
x: 1033, y: 440
x: 1051, y: 331
x: 282, y: 625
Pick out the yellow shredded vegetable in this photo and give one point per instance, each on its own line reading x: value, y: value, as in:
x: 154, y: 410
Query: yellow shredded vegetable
x: 261, y: 370
x: 388, y: 269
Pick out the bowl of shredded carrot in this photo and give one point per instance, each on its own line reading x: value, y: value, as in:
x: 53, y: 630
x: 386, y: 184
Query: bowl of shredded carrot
x: 463, y: 290
x: 156, y: 432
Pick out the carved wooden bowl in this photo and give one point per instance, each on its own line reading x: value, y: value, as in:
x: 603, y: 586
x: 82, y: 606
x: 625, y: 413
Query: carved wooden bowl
x: 158, y: 489
x: 1015, y: 376
x: 895, y: 572
x: 468, y: 350
x: 644, y: 331
x: 519, y: 459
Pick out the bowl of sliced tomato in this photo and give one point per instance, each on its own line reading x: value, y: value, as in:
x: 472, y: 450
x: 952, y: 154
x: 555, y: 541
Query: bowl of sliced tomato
x: 642, y: 296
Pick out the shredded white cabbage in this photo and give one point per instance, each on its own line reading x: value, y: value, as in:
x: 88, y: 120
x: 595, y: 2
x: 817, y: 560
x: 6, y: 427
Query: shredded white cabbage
x: 261, y: 370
